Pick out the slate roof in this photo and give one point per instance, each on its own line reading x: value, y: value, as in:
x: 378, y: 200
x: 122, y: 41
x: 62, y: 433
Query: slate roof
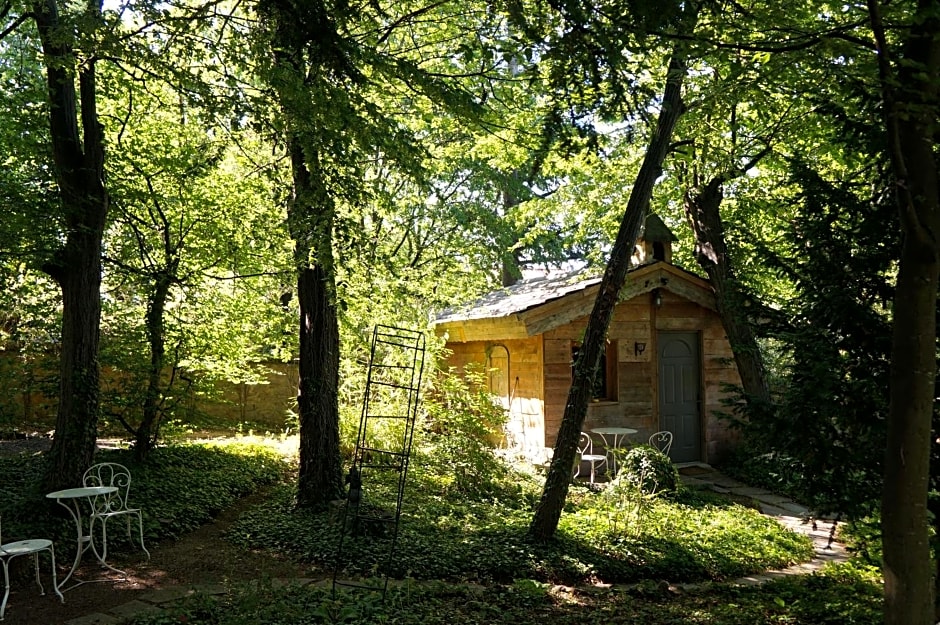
x: 654, y: 229
x: 522, y: 296
x: 527, y: 295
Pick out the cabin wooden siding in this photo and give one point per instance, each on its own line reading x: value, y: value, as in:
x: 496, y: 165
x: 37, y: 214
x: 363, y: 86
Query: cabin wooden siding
x: 523, y: 401
x: 637, y: 403
x: 630, y: 324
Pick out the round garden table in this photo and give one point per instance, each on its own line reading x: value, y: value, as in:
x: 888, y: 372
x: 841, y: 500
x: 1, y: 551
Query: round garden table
x: 617, y: 436
x: 71, y: 499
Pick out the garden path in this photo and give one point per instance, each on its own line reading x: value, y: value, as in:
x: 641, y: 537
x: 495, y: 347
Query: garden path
x: 791, y: 515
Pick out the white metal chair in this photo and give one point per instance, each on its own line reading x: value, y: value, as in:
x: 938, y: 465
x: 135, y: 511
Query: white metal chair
x: 586, y: 454
x: 662, y: 441
x: 32, y: 547
x: 115, y: 504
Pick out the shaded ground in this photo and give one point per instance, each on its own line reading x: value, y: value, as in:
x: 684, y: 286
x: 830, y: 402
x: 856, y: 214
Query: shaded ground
x: 200, y: 557
x: 203, y: 557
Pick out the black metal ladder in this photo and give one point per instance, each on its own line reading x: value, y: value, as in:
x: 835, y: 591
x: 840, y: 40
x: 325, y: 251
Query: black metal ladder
x: 383, y: 447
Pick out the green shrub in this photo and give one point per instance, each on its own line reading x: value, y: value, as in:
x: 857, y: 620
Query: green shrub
x: 773, y: 471
x: 463, y: 422
x: 648, y: 469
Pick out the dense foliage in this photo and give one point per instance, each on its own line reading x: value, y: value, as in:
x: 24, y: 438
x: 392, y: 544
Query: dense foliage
x: 824, y: 440
x: 453, y: 535
x: 179, y: 488
x: 835, y: 597
x: 463, y: 422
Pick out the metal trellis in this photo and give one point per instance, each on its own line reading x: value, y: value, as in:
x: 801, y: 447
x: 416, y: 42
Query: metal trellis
x: 383, y: 447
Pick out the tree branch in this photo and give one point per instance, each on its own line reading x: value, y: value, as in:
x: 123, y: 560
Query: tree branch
x: 802, y: 41
x: 408, y: 16
x: 895, y: 151
x: 15, y: 24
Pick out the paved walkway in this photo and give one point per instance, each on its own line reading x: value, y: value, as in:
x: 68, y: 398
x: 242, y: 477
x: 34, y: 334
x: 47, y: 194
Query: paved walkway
x: 792, y: 515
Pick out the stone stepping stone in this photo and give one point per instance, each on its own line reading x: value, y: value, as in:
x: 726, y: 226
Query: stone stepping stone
x: 94, y: 619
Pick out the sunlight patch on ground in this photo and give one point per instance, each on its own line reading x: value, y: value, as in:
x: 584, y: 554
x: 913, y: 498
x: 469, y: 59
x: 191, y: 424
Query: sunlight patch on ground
x: 287, y: 446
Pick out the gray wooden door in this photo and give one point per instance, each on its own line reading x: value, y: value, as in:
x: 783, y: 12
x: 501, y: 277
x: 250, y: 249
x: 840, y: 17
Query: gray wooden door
x: 679, y: 389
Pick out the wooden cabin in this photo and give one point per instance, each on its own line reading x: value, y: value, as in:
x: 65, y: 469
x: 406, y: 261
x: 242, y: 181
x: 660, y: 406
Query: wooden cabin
x: 666, y: 361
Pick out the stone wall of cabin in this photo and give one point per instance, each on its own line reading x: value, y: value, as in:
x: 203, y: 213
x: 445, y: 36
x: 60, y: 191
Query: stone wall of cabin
x: 514, y: 375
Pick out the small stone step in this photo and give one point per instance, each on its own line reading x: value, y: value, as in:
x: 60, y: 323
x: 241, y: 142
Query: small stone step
x: 94, y: 619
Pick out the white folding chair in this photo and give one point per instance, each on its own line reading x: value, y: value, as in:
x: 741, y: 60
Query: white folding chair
x: 586, y: 454
x: 105, y: 507
x: 33, y: 547
x: 662, y: 441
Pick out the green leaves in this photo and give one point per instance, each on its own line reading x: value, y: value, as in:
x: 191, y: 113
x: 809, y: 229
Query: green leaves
x: 479, y: 534
x: 179, y: 488
x: 834, y: 597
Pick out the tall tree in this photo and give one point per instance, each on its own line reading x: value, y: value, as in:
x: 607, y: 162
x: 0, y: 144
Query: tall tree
x: 29, y: 301
x: 841, y: 259
x: 703, y: 208
x: 302, y: 65
x: 909, y: 73
x: 749, y: 113
x: 547, y: 514
x: 78, y: 154
x: 189, y: 217
x: 328, y: 65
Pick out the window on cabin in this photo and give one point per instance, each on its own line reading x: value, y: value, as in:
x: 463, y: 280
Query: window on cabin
x: 605, y: 384
x: 497, y: 372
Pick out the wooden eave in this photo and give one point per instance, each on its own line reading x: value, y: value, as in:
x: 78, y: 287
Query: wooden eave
x: 573, y: 306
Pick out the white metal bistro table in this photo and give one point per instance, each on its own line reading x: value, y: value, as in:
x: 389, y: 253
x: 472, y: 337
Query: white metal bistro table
x: 70, y: 499
x: 617, y: 435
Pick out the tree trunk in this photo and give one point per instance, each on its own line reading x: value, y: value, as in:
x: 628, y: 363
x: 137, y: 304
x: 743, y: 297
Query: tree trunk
x: 310, y: 217
x: 73, y: 445
x: 911, y: 93
x: 145, y: 438
x: 320, y: 478
x: 509, y: 271
x: 548, y: 512
x: 904, y: 519
x: 79, y: 172
x: 703, y: 211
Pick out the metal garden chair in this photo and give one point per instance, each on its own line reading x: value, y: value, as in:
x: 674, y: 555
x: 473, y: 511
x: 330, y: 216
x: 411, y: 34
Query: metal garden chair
x: 104, y: 507
x: 586, y: 454
x: 662, y: 441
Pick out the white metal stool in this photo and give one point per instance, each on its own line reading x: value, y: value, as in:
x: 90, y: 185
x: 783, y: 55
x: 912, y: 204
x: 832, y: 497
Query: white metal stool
x: 32, y: 547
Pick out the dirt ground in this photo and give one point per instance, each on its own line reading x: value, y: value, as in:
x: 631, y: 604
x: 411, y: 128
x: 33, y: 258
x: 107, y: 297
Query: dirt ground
x: 200, y: 557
